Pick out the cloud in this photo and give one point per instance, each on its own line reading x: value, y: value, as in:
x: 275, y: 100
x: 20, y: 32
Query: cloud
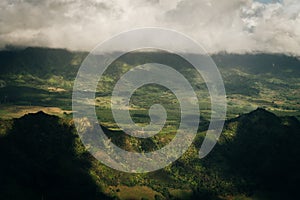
x: 233, y: 26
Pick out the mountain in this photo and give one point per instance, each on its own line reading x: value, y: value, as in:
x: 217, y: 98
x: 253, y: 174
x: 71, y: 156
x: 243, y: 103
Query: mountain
x: 40, y: 62
x: 258, y: 63
x: 258, y: 153
x: 256, y: 157
x: 262, y: 150
x: 42, y: 158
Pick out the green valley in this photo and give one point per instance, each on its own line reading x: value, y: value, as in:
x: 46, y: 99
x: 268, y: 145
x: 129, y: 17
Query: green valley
x: 256, y: 157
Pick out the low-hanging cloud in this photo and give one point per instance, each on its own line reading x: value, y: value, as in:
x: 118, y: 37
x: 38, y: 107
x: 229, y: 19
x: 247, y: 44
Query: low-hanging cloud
x: 234, y: 26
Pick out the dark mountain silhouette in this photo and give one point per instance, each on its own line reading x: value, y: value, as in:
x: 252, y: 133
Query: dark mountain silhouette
x: 40, y: 159
x: 261, y: 151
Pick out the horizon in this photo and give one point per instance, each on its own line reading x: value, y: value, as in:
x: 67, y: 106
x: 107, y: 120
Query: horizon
x: 12, y: 48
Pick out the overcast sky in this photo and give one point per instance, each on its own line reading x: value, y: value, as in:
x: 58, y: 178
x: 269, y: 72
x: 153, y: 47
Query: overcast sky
x: 219, y: 25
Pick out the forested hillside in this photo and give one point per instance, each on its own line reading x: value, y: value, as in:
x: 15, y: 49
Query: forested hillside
x: 257, y: 154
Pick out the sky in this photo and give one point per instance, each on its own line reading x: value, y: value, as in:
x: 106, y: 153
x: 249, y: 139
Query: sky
x: 235, y: 26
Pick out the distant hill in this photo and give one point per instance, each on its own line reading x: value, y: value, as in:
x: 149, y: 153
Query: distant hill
x: 40, y: 61
x: 256, y: 80
x: 259, y: 62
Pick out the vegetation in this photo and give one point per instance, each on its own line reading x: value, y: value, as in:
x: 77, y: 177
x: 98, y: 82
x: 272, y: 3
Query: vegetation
x: 256, y: 157
x: 44, y: 77
x: 43, y: 158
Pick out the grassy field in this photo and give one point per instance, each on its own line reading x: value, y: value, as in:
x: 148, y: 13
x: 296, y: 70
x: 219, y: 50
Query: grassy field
x: 15, y: 111
x: 135, y: 192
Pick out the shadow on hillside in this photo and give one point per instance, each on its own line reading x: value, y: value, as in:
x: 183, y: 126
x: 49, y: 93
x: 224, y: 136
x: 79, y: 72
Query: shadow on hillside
x: 262, y: 156
x: 42, y: 158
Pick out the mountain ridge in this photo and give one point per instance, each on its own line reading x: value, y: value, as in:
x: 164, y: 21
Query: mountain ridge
x: 247, y: 159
